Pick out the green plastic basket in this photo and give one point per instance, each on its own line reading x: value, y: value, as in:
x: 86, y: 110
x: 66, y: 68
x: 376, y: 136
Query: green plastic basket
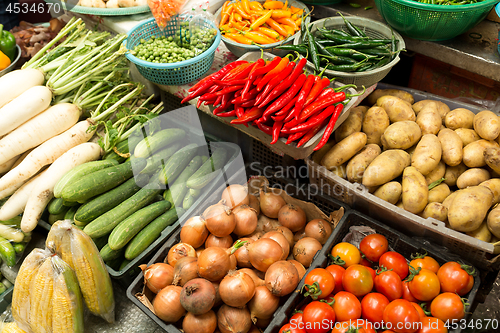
x: 432, y: 22
x: 322, y: 2
x: 177, y: 73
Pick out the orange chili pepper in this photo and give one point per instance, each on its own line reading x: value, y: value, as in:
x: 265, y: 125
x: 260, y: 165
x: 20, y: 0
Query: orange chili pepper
x: 288, y: 21
x: 239, y: 9
x: 294, y: 9
x: 239, y: 38
x: 268, y: 32
x: 277, y: 14
x: 261, y: 20
x: 273, y: 5
x: 240, y: 26
x: 289, y: 29
x: 256, y: 5
x: 238, y: 17
x: 276, y: 26
x: 224, y: 19
x: 298, y: 21
x: 246, y: 6
x: 258, y: 37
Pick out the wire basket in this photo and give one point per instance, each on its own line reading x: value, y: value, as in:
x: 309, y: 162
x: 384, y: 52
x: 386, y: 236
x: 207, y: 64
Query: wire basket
x: 240, y: 49
x: 432, y: 22
x: 177, y: 73
x: 372, y: 29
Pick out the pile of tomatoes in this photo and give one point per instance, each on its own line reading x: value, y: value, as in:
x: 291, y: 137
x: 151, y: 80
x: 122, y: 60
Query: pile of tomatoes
x: 373, y: 289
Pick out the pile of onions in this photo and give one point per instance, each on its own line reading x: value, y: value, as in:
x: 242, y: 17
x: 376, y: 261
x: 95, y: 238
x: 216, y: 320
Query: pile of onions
x: 318, y: 229
x: 266, y: 224
x: 215, y: 262
x: 282, y: 278
x: 288, y: 235
x: 223, y: 242
x: 263, y: 304
x: 185, y: 270
x: 194, y: 232
x: 179, y: 251
x: 220, y: 220
x: 271, y: 203
x: 293, y: 217
x: 198, y: 296
x: 254, y: 203
x: 241, y: 254
x: 264, y: 252
x: 206, y: 322
x: 246, y: 220
x: 257, y: 281
x: 305, y: 250
x: 235, y: 195
x: 300, y: 268
x: 236, y: 289
x: 167, y: 304
x: 233, y: 320
x: 158, y: 276
x: 279, y: 238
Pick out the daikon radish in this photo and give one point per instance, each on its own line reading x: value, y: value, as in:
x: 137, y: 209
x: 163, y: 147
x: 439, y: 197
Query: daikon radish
x: 44, y: 189
x: 23, y: 108
x: 46, y: 154
x: 16, y: 203
x: 49, y: 123
x: 16, y: 82
x: 8, y: 165
x: 22, y: 157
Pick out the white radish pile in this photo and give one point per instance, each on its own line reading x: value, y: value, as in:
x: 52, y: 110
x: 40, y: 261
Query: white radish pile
x: 15, y: 83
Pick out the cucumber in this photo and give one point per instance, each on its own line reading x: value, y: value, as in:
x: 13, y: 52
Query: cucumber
x: 69, y: 203
x: 16, y: 220
x: 19, y: 247
x: 105, y: 223
x: 70, y: 214
x: 155, y: 161
x: 101, y: 181
x: 151, y: 232
x: 107, y: 254
x: 109, y: 200
x: 176, y: 164
x: 129, y: 227
x: 207, y: 171
x: 7, y: 252
x: 178, y: 188
x: 151, y: 144
x: 124, y: 147
x: 54, y: 218
x: 204, y: 158
x: 79, y: 171
x: 194, y: 192
x: 101, y: 242
x: 115, y: 263
x: 188, y: 201
x: 124, y: 264
x: 56, y: 206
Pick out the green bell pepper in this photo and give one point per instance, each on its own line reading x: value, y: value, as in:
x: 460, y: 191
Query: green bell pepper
x: 7, y: 43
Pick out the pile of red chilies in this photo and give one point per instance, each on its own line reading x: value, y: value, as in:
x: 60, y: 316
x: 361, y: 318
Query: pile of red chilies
x: 277, y: 97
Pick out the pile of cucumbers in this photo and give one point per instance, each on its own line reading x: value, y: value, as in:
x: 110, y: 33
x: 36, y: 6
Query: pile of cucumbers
x: 12, y: 241
x: 125, y: 201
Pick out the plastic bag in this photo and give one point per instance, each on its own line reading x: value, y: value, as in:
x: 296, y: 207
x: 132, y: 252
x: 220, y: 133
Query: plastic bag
x: 163, y: 10
x: 193, y: 31
x: 12, y: 241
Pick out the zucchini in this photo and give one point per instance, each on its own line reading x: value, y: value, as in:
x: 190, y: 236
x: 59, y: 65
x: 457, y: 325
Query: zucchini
x: 55, y: 206
x: 159, y: 158
x: 70, y: 214
x: 109, y: 200
x: 107, y: 254
x: 151, y: 144
x: 105, y: 223
x: 188, y: 201
x: 151, y: 232
x: 16, y: 220
x: 128, y: 228
x: 175, y: 164
x: 54, y: 218
x: 207, y: 171
x: 79, y: 171
x: 7, y: 252
x: 177, y: 191
x: 101, y: 181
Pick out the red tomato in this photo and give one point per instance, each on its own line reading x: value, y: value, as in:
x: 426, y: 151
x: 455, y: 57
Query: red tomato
x: 346, y: 306
x: 425, y: 285
x: 401, y: 317
x: 468, y: 287
x: 425, y: 262
x: 365, y: 262
x: 291, y: 328
x: 453, y: 277
x: 348, y: 253
x: 361, y: 326
x: 389, y: 284
x: 396, y: 262
x: 407, y: 293
x: 357, y: 280
x: 297, y: 319
x: 419, y: 309
x: 319, y: 283
x: 373, y: 246
x: 448, y: 306
x: 372, y: 272
x: 432, y: 325
x: 318, y: 317
x: 338, y: 274
x: 373, y: 306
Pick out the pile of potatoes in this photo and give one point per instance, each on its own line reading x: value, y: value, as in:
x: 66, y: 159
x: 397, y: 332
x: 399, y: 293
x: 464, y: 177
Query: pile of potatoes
x: 424, y: 158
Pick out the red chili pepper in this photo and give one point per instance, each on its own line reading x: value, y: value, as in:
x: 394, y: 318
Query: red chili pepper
x: 267, y: 68
x: 264, y: 128
x: 311, y: 133
x: 279, y: 118
x: 218, y: 100
x: 254, y: 114
x: 275, y: 82
x: 251, y: 96
x: 251, y: 77
x: 248, y: 104
x: 318, y: 105
x: 198, y: 104
x: 221, y: 92
x: 325, y: 93
x: 276, y: 131
x: 240, y: 111
x: 316, y: 90
x: 219, y: 74
x: 330, y: 126
x: 231, y: 113
x: 312, y: 122
x: 271, y: 74
x: 233, y: 74
x: 295, y: 136
x: 301, y: 98
x: 230, y: 83
x: 237, y: 94
x: 293, y: 84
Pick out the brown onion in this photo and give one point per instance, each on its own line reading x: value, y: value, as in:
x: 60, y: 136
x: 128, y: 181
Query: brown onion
x: 214, y: 241
x: 220, y: 220
x: 218, y: 300
x: 198, y: 296
x: 205, y: 323
x: 282, y: 278
x: 256, y: 235
x: 264, y: 252
x: 236, y: 289
x: 233, y: 320
x: 194, y: 232
x: 167, y: 304
x: 254, y: 203
x: 299, y: 235
x: 263, y: 304
x: 300, y: 268
x: 241, y: 254
x: 185, y: 270
x: 215, y: 262
x: 179, y: 251
x: 288, y: 235
x: 257, y: 281
x: 270, y: 203
x: 293, y: 217
x: 246, y: 220
x: 199, y: 250
x: 318, y: 229
x: 254, y: 329
x: 233, y: 263
x: 235, y: 195
x: 266, y: 224
x: 305, y: 250
x: 281, y: 240
x: 158, y: 276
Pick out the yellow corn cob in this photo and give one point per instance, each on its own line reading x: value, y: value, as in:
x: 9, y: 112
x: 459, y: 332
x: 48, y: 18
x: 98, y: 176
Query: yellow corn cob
x: 11, y: 328
x: 41, y: 291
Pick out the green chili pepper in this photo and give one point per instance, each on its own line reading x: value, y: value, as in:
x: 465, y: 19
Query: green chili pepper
x: 302, y: 49
x: 338, y: 60
x: 346, y: 68
x: 7, y: 43
x: 361, y: 45
x: 377, y: 52
x: 313, y: 49
x: 354, y: 30
x: 354, y: 54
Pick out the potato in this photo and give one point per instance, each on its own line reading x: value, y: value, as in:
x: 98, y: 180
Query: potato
x: 452, y: 147
x: 473, y: 153
x: 375, y: 123
x: 481, y: 233
x: 439, y: 193
x: 401, y: 135
x: 459, y: 118
x: 318, y: 156
x: 467, y: 135
x: 377, y: 93
x: 492, y: 158
x: 358, y: 164
x: 339, y: 171
x: 390, y: 192
x: 442, y: 108
x: 452, y: 173
x: 415, y: 190
x: 494, y: 185
x: 449, y: 199
x: 351, y: 125
x: 427, y: 154
x: 396, y: 108
x: 472, y: 177
x: 487, y: 125
x: 429, y: 119
x: 494, y: 239
x: 436, y: 211
x: 493, y: 222
x: 385, y: 167
x: 399, y: 204
x: 469, y: 208
x: 344, y: 150
x: 411, y: 150
x: 436, y: 174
